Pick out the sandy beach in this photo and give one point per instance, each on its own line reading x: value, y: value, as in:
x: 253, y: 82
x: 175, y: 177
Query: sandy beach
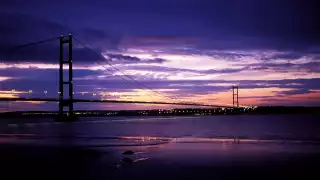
x: 163, y: 161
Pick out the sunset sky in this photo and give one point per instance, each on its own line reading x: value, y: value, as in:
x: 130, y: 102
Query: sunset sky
x: 191, y: 50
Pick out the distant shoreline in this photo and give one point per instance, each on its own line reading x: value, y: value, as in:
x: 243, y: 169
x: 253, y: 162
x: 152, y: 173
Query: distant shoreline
x: 172, y: 112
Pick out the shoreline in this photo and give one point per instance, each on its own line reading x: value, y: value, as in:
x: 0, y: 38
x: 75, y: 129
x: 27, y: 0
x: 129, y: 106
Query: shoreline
x: 171, y: 112
x: 169, y: 115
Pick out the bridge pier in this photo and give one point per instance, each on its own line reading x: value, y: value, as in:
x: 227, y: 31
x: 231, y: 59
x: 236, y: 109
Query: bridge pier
x: 68, y: 102
x: 235, y: 96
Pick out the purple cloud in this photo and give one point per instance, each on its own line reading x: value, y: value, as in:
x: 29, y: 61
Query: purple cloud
x: 295, y: 92
x: 125, y: 59
x: 285, y: 56
x: 287, y: 67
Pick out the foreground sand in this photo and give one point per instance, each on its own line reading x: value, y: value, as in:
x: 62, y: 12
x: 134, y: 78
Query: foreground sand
x: 163, y: 161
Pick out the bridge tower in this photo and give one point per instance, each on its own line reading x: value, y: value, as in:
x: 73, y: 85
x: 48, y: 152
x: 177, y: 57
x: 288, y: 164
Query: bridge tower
x: 65, y: 102
x: 235, y: 96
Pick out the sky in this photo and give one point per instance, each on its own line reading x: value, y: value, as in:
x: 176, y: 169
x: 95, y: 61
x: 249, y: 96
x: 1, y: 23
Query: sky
x: 183, y: 50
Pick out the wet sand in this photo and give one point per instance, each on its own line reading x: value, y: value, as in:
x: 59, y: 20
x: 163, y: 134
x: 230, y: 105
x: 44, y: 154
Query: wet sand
x: 164, y: 161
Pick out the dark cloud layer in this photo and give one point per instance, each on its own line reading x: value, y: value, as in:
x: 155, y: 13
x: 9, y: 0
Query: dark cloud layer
x: 17, y: 30
x: 124, y: 59
x: 308, y: 67
x: 286, y: 56
x: 221, y: 24
x: 296, y: 91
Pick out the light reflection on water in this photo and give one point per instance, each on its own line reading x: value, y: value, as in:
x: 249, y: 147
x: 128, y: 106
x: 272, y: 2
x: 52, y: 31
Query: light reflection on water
x: 132, y: 140
x: 298, y: 129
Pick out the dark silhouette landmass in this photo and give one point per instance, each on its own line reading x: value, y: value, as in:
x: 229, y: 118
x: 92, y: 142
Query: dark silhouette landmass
x: 174, y: 112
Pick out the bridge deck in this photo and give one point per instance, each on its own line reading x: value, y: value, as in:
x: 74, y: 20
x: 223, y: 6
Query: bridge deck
x: 109, y: 101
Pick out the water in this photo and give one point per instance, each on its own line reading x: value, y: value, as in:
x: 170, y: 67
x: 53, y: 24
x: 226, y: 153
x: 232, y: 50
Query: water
x: 247, y: 128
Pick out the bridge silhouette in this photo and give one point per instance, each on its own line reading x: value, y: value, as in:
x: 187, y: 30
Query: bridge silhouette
x: 69, y: 101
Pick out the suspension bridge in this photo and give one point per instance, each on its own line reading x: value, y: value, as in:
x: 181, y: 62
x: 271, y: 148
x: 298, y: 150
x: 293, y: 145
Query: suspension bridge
x: 69, y: 101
